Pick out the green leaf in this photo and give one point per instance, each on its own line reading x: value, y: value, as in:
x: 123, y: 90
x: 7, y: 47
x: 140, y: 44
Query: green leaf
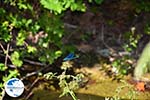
x: 58, y: 6
x: 22, y: 6
x: 74, y: 7
x: 21, y: 38
x: 58, y: 54
x: 54, y: 5
x: 123, y: 71
x: 2, y: 67
x: 5, y: 31
x: 15, y: 59
x: 2, y: 11
x: 90, y: 1
x: 31, y: 49
x: 28, y: 22
x: 1, y: 85
x: 98, y: 1
x: 12, y: 73
x: 6, y: 37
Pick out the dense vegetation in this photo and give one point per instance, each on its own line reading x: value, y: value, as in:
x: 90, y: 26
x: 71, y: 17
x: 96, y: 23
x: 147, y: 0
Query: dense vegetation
x: 32, y: 31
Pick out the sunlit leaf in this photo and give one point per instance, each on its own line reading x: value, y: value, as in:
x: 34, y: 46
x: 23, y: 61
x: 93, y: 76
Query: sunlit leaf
x: 58, y: 53
x: 21, y: 38
x: 15, y: 59
x: 12, y: 74
x: 2, y: 67
x: 31, y: 49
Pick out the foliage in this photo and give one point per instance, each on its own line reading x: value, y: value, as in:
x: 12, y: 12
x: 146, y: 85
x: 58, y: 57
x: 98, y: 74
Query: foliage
x: 142, y: 6
x: 2, y: 67
x: 122, y: 65
x: 30, y: 32
x: 68, y: 83
x: 131, y: 94
x: 11, y: 74
x: 21, y: 4
x: 13, y: 33
x: 15, y: 59
x: 96, y: 1
x: 132, y: 40
x: 58, y: 6
x: 147, y: 29
x: 34, y: 30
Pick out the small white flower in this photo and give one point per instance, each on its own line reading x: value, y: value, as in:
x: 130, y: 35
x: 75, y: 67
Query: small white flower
x: 115, y: 70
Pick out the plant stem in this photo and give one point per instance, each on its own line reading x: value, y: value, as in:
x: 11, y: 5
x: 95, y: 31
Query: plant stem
x: 71, y: 92
x: 73, y: 95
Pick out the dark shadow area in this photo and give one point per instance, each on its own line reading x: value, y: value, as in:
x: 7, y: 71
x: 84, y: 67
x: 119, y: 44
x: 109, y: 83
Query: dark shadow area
x: 88, y: 59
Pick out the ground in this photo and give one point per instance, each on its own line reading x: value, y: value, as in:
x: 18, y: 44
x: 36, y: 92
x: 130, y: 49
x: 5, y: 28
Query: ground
x: 99, y: 87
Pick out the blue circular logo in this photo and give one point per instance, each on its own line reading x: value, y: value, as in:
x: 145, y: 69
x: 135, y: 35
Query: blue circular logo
x: 14, y: 87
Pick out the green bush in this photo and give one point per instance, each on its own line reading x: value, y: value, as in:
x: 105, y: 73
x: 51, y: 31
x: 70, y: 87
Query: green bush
x: 58, y: 6
x: 29, y: 32
x: 142, y: 6
x: 147, y: 29
x: 34, y: 30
